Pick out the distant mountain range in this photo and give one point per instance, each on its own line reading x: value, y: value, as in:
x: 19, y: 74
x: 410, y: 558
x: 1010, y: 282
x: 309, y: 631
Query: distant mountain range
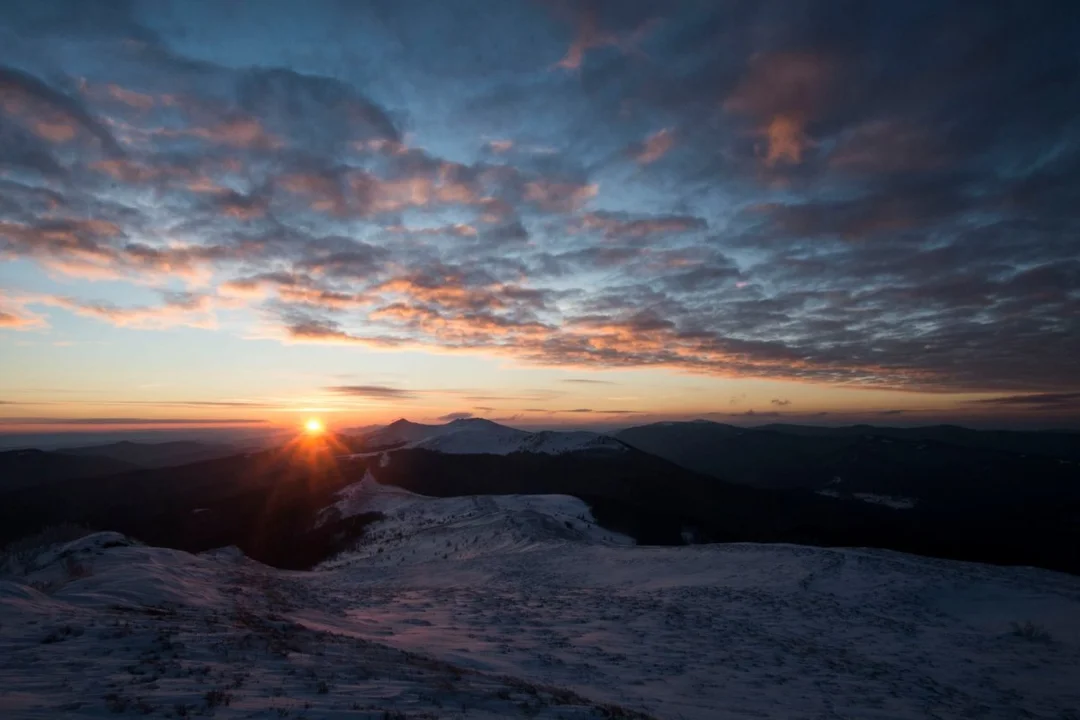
x: 947, y: 492
x: 475, y: 436
x: 941, y: 464
x: 152, y: 455
x: 19, y: 468
x: 29, y: 468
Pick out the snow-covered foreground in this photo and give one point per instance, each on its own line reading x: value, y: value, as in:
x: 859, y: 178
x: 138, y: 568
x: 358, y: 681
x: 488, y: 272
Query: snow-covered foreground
x: 507, y: 607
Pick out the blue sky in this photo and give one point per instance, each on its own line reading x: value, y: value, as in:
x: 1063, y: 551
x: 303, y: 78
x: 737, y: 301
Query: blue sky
x: 255, y: 211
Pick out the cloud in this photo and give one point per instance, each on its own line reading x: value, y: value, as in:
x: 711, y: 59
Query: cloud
x: 780, y: 402
x: 755, y: 413
x: 591, y: 35
x: 586, y: 381
x: 783, y: 92
x: 500, y: 146
x: 372, y: 391
x: 51, y: 114
x: 15, y: 316
x: 619, y: 225
x: 197, y: 403
x: 559, y: 197
x: 852, y: 201
x: 177, y: 309
x: 126, y: 421
x: 654, y: 147
x: 455, y: 416
x: 1036, y: 400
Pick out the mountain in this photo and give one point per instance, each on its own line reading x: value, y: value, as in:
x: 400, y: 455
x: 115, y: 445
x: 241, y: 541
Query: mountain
x: 1063, y: 445
x: 25, y: 468
x: 472, y: 436
x: 152, y: 455
x: 917, y: 465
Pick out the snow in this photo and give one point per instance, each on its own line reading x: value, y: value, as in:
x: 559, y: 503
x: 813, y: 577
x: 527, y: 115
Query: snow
x: 524, y: 619
x: 477, y: 436
x: 895, y: 502
x: 416, y: 525
x: 168, y: 634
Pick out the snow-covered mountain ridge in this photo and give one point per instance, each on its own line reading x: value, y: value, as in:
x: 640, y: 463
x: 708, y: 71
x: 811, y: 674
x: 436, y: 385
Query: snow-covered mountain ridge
x: 554, y: 628
x: 418, y: 527
x: 474, y: 436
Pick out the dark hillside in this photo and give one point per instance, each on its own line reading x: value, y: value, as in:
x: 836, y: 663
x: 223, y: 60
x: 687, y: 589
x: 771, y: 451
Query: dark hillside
x: 26, y: 468
x: 266, y: 503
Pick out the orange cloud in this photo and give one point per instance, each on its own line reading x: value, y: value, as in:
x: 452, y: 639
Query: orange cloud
x: 494, y: 210
x: 783, y: 92
x: 559, y: 197
x: 240, y: 207
x: 452, y: 330
x: 49, y: 113
x: 786, y: 141
x: 244, y: 288
x: 320, y: 298
x: 445, y: 188
x: 330, y: 333
x: 15, y: 316
x: 179, y: 309
x: 590, y: 37
x: 55, y: 131
x: 324, y: 194
x: 96, y: 249
x: 655, y: 146
x: 126, y: 170
x: 239, y: 132
x: 130, y: 97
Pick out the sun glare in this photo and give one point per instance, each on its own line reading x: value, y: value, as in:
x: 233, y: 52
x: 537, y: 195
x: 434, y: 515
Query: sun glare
x: 313, y: 426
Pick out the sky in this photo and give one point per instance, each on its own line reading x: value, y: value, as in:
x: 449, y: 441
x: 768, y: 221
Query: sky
x: 219, y: 213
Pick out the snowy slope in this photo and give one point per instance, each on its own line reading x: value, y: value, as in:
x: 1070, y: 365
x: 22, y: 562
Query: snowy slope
x: 549, y: 626
x: 477, y: 436
x: 417, y: 526
x: 741, y: 630
x: 164, y: 633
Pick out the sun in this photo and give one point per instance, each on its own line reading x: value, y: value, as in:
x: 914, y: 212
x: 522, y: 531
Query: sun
x: 314, y: 426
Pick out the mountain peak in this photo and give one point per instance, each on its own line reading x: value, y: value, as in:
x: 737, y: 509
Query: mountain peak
x: 474, y: 422
x: 470, y: 436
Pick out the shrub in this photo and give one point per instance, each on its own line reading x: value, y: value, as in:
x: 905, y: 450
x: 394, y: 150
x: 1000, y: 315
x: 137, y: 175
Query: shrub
x: 18, y: 556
